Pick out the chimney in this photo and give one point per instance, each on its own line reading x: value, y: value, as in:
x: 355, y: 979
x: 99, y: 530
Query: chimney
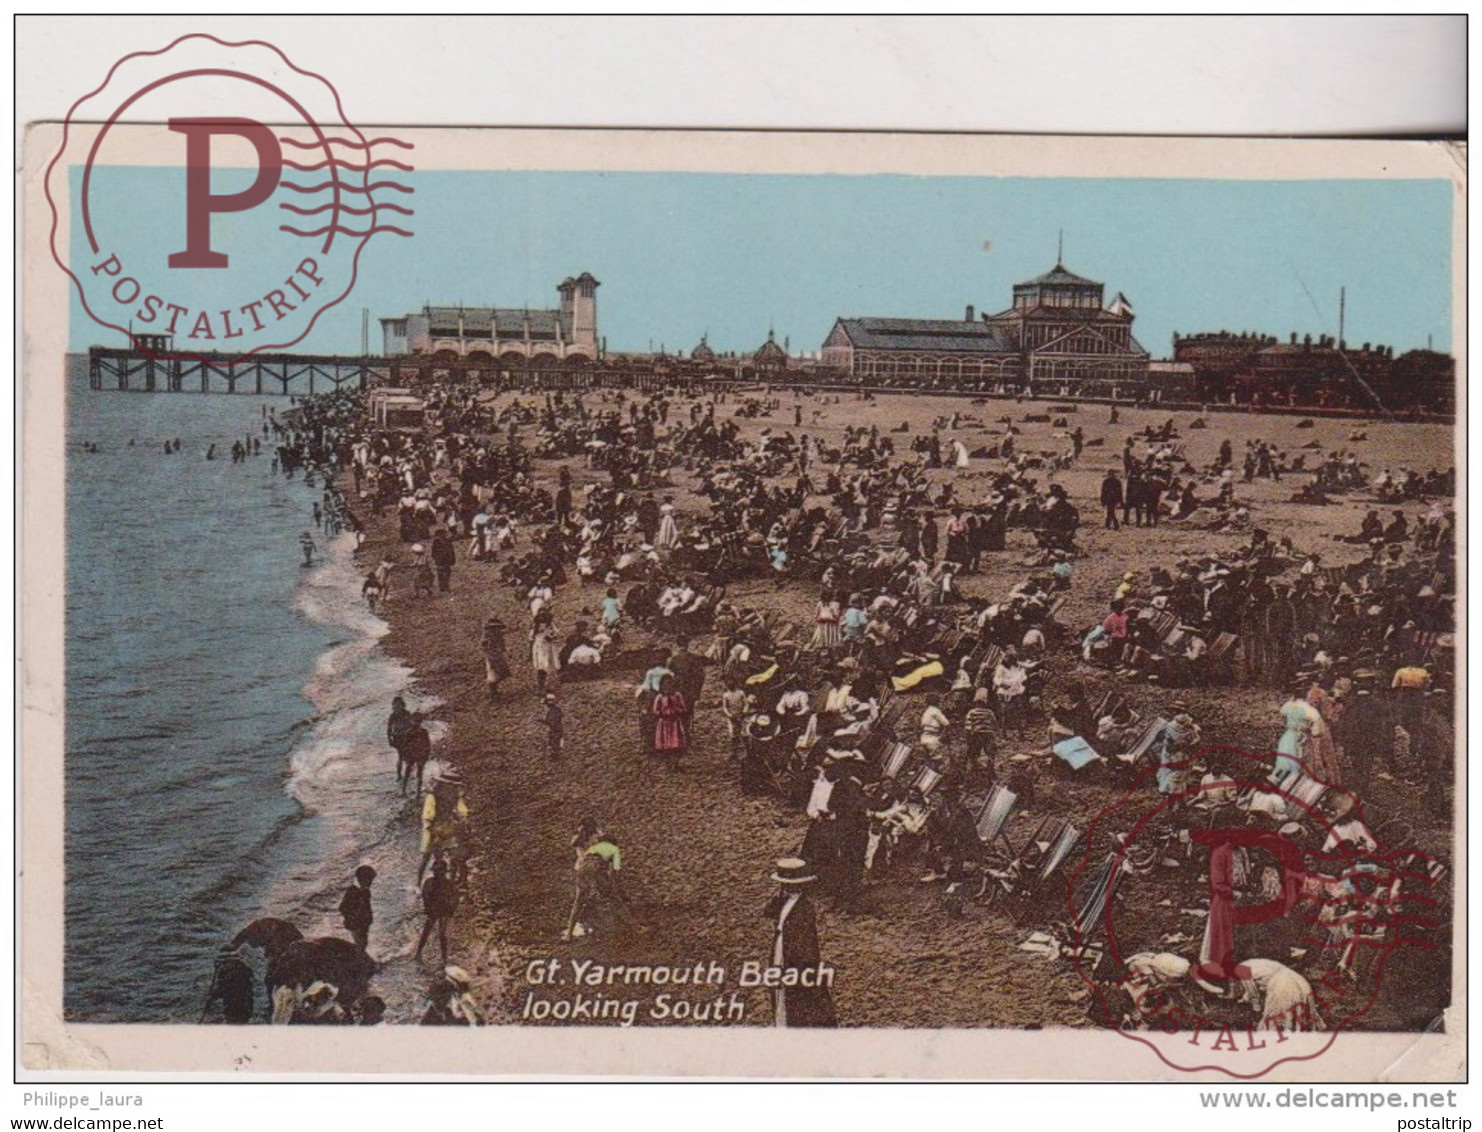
x: 971, y: 314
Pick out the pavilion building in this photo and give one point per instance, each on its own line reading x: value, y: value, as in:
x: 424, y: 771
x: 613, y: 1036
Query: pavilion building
x: 1059, y: 337
x: 565, y: 333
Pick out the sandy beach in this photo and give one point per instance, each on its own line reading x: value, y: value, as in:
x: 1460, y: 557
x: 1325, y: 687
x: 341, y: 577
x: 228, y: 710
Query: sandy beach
x: 696, y: 851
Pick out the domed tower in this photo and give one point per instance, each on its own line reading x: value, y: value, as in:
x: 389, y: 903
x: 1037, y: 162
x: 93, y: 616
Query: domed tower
x: 703, y: 352
x: 771, y: 358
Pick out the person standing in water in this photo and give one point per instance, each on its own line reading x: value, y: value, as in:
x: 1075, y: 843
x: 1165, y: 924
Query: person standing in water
x: 355, y: 907
x: 439, y: 902
x: 306, y: 544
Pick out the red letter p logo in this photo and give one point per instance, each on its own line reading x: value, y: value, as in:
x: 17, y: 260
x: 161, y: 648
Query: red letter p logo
x: 1224, y: 914
x: 200, y: 201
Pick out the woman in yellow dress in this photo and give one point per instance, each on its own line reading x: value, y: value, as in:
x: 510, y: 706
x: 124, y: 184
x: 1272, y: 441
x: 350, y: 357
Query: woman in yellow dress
x: 444, y: 814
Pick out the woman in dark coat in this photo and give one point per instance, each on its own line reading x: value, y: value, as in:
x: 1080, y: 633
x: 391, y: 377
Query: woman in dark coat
x: 496, y: 664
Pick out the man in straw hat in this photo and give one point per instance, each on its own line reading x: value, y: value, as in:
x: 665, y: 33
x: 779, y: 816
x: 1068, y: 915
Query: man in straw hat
x: 795, y: 950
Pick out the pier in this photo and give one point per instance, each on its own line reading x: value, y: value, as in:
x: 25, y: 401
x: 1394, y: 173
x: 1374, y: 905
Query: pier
x: 149, y: 368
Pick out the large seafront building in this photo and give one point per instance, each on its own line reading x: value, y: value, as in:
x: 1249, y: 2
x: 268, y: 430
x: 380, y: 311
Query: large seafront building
x: 1059, y: 337
x: 566, y: 333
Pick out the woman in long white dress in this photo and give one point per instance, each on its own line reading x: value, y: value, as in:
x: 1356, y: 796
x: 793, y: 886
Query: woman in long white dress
x: 545, y: 649
x: 668, y: 537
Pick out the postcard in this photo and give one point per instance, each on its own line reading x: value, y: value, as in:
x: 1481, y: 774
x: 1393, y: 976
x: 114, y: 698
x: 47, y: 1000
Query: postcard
x: 669, y: 603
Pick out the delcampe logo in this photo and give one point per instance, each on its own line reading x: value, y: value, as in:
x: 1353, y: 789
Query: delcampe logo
x: 229, y: 231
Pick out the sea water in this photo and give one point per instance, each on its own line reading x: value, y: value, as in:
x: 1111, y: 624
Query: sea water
x: 225, y: 740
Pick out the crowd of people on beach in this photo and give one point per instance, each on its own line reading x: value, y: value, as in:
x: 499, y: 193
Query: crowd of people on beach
x: 928, y: 735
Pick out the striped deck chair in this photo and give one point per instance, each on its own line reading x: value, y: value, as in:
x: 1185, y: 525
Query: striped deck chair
x: 1162, y: 623
x: 926, y: 780
x: 1149, y: 738
x: 991, y: 658
x: 890, y: 714
x: 948, y: 642
x: 1056, y: 854
x: 1051, y: 852
x: 974, y: 659
x: 1092, y: 898
x: 1221, y: 648
x: 993, y: 819
x: 896, y: 757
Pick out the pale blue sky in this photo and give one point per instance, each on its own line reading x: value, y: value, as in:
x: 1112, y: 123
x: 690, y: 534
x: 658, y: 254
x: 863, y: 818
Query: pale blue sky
x: 682, y: 254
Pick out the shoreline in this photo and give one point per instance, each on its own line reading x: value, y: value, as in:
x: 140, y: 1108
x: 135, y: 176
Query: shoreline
x: 338, y: 775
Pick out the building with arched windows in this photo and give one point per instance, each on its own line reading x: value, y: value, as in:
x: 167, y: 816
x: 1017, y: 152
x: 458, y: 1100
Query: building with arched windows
x: 1066, y: 335
x: 565, y: 332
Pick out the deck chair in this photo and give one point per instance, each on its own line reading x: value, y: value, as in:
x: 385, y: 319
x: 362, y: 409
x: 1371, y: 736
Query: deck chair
x: 979, y: 654
x: 1150, y: 736
x: 1221, y: 647
x: 890, y: 714
x: 1093, y: 897
x: 1306, y: 790
x: 1005, y: 879
x: 926, y: 780
x: 993, y: 819
x: 1163, y: 623
x: 991, y: 658
x: 1109, y: 704
x: 1057, y: 853
x: 896, y: 757
x: 1050, y: 854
